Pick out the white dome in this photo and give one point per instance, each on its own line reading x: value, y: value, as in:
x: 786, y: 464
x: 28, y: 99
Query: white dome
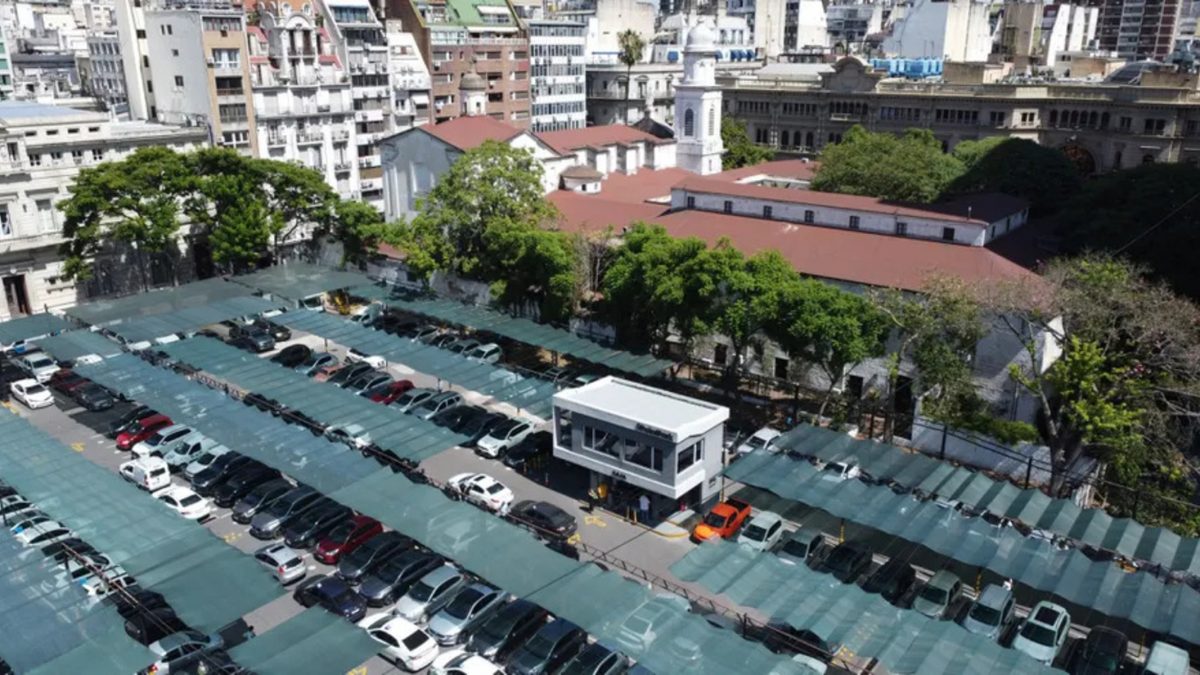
x: 702, y: 37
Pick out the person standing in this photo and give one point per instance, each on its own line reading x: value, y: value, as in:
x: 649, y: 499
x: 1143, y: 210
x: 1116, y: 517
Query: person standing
x: 644, y: 508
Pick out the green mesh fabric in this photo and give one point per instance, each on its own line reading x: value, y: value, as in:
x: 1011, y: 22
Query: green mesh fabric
x: 1069, y: 574
x: 73, y: 344
x: 107, y: 651
x: 844, y: 615
x: 207, y: 583
x: 296, y: 281
x: 528, y: 393
x: 1060, y: 516
x: 195, y: 294
x: 31, y: 326
x: 190, y: 319
x: 313, y: 641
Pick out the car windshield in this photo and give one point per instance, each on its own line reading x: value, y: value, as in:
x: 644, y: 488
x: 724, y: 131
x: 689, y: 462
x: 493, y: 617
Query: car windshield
x: 497, y: 628
x: 755, y: 533
x: 836, y: 467
x: 540, y: 646
x: 34, y: 389
x: 415, y: 639
x: 986, y: 615
x: 494, y: 488
x: 41, y: 363
x: 796, y: 548
x: 421, y: 592
x: 342, y: 532
x: 1035, y: 632
x: 714, y: 520
x: 460, y: 607
x: 189, y: 500
x: 312, y: 359
x: 935, y: 595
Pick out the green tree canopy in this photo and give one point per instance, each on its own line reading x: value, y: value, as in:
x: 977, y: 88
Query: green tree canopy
x: 1019, y: 167
x: 360, y: 228
x: 739, y: 149
x: 1150, y: 214
x: 909, y: 168
x: 631, y: 45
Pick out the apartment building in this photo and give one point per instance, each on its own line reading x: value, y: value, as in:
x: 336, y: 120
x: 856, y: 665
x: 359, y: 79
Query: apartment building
x: 651, y: 92
x: 1101, y: 125
x: 6, y: 71
x: 1139, y: 29
x: 558, y: 77
x: 303, y: 104
x: 105, y: 73
x: 458, y: 37
x: 782, y: 26
x: 43, y: 148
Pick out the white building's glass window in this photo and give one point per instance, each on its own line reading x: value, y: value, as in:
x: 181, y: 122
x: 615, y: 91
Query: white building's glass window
x: 647, y: 456
x: 689, y: 123
x: 45, y: 215
x: 5, y: 222
x: 690, y: 455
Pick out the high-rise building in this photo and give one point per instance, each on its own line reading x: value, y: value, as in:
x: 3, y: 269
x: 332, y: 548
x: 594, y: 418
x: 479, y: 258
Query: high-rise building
x: 954, y: 30
x: 782, y: 26
x: 558, y: 75
x: 457, y: 37
x: 1139, y: 29
x: 6, y: 74
x: 105, y: 71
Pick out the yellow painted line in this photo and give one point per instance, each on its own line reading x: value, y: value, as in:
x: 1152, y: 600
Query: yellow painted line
x: 77, y: 447
x: 594, y: 520
x: 232, y: 537
x: 574, y: 539
x: 361, y: 670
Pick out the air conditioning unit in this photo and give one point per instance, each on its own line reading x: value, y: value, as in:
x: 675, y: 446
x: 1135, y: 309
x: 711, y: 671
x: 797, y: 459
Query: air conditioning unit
x: 210, y: 62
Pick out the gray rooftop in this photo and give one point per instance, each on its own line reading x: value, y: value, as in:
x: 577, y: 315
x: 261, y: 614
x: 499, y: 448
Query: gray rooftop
x: 679, y: 415
x: 17, y: 112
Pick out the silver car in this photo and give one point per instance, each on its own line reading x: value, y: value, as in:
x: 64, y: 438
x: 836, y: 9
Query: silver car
x: 473, y: 605
x: 429, y: 595
x: 284, y: 562
x: 991, y: 613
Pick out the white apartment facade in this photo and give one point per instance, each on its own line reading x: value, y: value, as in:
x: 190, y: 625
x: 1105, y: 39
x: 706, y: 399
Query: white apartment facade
x: 782, y: 26
x: 956, y: 30
x: 303, y: 100
x: 43, y: 148
x: 557, y: 75
x: 106, y: 72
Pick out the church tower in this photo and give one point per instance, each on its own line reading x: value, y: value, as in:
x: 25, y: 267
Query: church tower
x: 698, y: 104
x: 472, y: 89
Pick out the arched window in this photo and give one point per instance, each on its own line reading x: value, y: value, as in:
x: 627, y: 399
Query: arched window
x: 784, y: 138
x: 689, y: 123
x: 712, y: 121
x: 808, y: 140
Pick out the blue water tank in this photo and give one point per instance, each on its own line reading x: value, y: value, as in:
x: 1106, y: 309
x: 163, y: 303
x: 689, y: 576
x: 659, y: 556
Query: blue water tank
x: 672, y: 56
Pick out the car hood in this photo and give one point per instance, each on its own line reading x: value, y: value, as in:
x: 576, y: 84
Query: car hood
x: 1039, y: 652
x: 978, y: 627
x: 445, y: 626
x: 409, y: 608
x: 703, y: 532
x: 265, y: 521
x: 328, y: 547
x: 926, y: 607
x: 526, y: 663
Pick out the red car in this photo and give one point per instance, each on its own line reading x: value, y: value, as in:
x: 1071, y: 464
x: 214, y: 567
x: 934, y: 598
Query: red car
x: 67, y: 381
x: 390, y: 392
x: 345, y: 538
x: 140, y: 430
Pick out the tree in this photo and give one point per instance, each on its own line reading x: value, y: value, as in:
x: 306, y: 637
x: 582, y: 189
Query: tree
x: 134, y: 201
x: 935, y: 332
x: 296, y: 196
x: 909, y: 168
x: 739, y: 149
x: 241, y: 234
x: 630, y: 46
x: 532, y: 264
x: 1019, y: 167
x: 1149, y: 214
x: 823, y: 325
x: 360, y: 228
x: 1124, y: 385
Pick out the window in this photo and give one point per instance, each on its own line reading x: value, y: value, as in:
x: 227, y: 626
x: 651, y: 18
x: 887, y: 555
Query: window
x: 809, y: 217
x: 178, y: 80
x: 781, y: 367
x: 712, y: 121
x: 948, y: 233
x: 767, y: 212
x: 691, y: 202
x: 600, y: 441
x: 5, y: 222
x: 689, y: 123
x: 1126, y: 123
x: 854, y: 222
x: 141, y: 35
x: 35, y: 159
x: 689, y: 456
x: 720, y: 354
x: 647, y: 456
x: 562, y: 419
x: 996, y: 118
x: 902, y: 229
x: 175, y: 53
x: 728, y: 206
x: 1155, y: 127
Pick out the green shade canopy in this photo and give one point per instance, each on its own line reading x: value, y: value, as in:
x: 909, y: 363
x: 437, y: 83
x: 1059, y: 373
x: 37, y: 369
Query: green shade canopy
x: 297, y: 280
x: 190, y: 319
x: 73, y: 344
x: 34, y: 325
x: 195, y: 294
x: 313, y: 641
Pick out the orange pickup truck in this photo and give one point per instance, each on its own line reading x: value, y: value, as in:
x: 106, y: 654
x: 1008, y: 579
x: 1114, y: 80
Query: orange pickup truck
x: 723, y: 521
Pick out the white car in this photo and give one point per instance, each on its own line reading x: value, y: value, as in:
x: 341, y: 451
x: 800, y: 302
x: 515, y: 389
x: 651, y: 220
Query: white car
x: 503, y: 437
x: 482, y: 489
x: 43, y: 534
x: 355, y: 356
x: 489, y: 353
x: 162, y: 440
x: 462, y: 662
x: 405, y: 644
x: 32, y: 393
x: 203, y: 461
x: 353, y: 435
x: 1044, y: 632
x: 29, y: 520
x: 763, y: 439
x: 187, y: 449
x: 763, y: 531
x: 846, y: 469
x: 643, y: 626
x: 100, y: 586
x: 149, y: 473
x: 284, y: 562
x: 185, y: 502
x: 39, y: 366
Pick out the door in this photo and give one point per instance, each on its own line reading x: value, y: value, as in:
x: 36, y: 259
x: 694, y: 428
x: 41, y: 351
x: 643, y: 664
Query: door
x: 15, y: 295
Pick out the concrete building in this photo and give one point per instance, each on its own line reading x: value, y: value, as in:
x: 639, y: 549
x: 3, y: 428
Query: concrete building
x: 105, y: 71
x: 45, y: 75
x: 557, y: 72
x: 651, y: 94
x: 956, y: 30
x: 199, y: 71
x: 1035, y: 34
x: 782, y: 26
x: 457, y: 37
x: 44, y: 147
x: 847, y: 25
x: 6, y: 69
x: 1139, y: 29
x: 1100, y: 125
x: 698, y: 105
x: 130, y: 21
x: 304, y: 108
x: 607, y: 19
x: 653, y: 442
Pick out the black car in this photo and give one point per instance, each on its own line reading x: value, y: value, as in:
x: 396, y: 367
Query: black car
x: 134, y: 599
x: 260, y: 339
x: 277, y: 332
x: 245, y: 344
x: 363, y: 560
x: 206, y: 482
x: 300, y: 419
x: 548, y: 649
x: 149, y: 626
x: 546, y: 519
x: 311, y: 526
x: 1102, y: 653
x: 333, y: 594
x: 93, y: 397
x: 782, y: 638
x: 892, y: 580
x: 368, y: 380
x: 351, y: 371
x: 478, y: 426
x: 263, y: 403
x: 846, y: 562
x: 596, y: 659
x: 73, y: 547
x: 535, y: 447
x: 392, y: 579
x: 217, y: 662
x: 262, y: 496
x: 507, y: 629
x: 241, y: 481
x: 292, y: 355
x: 457, y: 415
x: 118, y: 425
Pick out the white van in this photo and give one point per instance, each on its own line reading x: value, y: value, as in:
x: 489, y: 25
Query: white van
x: 148, y: 473
x: 1166, y: 659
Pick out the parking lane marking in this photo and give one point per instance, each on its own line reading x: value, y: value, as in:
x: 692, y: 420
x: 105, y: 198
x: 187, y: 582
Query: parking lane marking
x: 231, y: 537
x: 594, y: 520
x: 77, y: 447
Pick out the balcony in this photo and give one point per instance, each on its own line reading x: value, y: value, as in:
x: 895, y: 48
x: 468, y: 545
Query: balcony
x: 341, y: 166
x: 368, y: 115
x: 307, y: 137
x: 368, y: 161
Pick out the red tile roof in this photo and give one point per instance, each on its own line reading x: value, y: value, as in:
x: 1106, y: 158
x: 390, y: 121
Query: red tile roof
x: 712, y: 186
x: 642, y: 186
x: 989, y: 206
x: 593, y: 213
x: 468, y: 132
x: 568, y: 140
x: 784, y: 168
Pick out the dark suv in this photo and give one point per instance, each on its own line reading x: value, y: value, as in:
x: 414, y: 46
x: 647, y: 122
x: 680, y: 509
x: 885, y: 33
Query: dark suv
x: 892, y: 580
x: 364, y: 559
x: 847, y: 562
x: 549, y: 649
x: 308, y: 528
x: 507, y: 629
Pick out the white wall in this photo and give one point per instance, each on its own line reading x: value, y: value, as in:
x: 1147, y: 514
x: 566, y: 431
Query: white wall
x: 180, y: 53
x: 957, y: 30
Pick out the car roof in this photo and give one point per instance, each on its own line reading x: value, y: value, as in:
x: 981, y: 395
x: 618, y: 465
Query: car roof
x: 441, y: 574
x: 766, y: 519
x: 944, y: 579
x: 1046, y: 613
x: 26, y: 382
x: 557, y: 628
x: 994, y: 596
